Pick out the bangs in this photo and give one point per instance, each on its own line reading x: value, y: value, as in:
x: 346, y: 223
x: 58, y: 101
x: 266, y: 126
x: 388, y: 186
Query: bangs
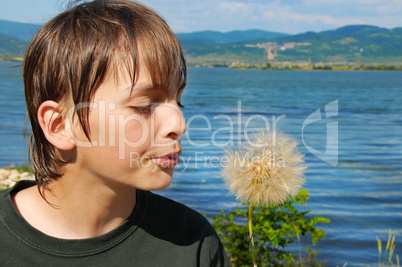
x: 164, y: 59
x: 124, y: 34
x: 157, y: 47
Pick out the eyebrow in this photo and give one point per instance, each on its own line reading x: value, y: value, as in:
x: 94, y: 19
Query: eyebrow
x: 147, y: 87
x: 139, y: 87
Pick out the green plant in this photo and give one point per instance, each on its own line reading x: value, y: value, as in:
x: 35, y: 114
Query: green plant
x: 386, y: 258
x: 274, y: 228
x: 24, y: 167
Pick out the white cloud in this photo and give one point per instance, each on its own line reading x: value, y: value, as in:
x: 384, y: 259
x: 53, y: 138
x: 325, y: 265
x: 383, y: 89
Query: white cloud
x: 275, y: 15
x: 395, y: 7
x: 290, y: 16
x: 234, y: 7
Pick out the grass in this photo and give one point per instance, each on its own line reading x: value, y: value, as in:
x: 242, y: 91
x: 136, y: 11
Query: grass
x: 385, y: 258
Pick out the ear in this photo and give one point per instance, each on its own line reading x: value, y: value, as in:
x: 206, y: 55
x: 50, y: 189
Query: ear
x: 54, y: 126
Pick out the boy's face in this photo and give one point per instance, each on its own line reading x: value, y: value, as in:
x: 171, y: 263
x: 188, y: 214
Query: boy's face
x: 135, y: 139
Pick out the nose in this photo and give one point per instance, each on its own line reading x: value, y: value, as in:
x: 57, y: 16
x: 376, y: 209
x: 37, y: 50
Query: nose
x: 172, y: 122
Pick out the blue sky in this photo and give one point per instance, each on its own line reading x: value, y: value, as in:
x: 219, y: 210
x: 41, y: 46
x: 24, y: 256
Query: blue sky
x: 289, y: 16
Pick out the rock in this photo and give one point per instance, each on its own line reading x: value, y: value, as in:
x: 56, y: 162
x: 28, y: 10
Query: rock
x: 8, y: 177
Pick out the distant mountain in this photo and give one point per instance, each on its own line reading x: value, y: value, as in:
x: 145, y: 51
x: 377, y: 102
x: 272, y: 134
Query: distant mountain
x: 212, y: 47
x: 214, y: 37
x: 359, y: 44
x: 14, y: 38
x: 19, y: 30
x: 354, y: 43
x: 355, y: 30
x: 11, y: 47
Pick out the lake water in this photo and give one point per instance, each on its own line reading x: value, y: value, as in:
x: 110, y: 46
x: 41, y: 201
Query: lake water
x: 360, y: 189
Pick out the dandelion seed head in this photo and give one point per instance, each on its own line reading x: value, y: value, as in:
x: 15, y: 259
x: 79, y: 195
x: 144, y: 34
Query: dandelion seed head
x: 268, y: 170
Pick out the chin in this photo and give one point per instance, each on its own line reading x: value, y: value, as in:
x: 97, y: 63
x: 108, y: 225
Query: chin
x: 157, y: 186
x: 160, y: 188
x: 162, y: 181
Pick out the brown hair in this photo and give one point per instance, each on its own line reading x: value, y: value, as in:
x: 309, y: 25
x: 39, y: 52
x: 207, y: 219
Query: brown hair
x: 72, y: 54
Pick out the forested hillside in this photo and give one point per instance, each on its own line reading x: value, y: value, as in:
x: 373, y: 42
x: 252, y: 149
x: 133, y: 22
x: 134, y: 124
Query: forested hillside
x: 354, y: 44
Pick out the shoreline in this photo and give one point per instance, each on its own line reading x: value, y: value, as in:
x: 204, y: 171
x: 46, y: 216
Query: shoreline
x: 309, y: 67
x: 12, y: 174
x: 12, y: 59
x: 284, y: 66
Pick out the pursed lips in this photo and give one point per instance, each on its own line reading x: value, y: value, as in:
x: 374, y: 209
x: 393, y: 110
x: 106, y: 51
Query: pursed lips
x: 168, y: 160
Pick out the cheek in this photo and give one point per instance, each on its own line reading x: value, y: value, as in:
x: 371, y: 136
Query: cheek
x: 120, y: 133
x: 133, y: 136
x: 133, y: 142
x: 115, y: 129
x: 135, y: 130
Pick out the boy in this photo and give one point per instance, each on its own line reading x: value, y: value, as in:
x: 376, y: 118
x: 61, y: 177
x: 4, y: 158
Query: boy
x: 102, y: 83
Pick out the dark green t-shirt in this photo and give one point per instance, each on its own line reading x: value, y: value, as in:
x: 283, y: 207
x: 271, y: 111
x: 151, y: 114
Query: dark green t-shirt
x: 159, y: 232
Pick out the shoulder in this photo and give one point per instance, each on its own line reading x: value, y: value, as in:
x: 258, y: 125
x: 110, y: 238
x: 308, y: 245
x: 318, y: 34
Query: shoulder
x: 183, y: 229
x: 176, y: 215
x: 6, y: 194
x: 156, y: 201
x: 4, y: 197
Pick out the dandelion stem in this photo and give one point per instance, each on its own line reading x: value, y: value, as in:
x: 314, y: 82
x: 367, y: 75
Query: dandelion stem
x: 250, y: 230
x: 250, y: 223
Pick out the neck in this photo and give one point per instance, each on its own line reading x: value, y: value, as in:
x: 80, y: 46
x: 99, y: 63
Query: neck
x: 79, y: 208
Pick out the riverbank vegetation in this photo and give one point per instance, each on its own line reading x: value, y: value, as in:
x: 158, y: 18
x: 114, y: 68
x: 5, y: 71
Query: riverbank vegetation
x: 296, y: 66
x: 10, y: 58
x: 11, y: 174
x: 275, y: 228
x: 370, y: 67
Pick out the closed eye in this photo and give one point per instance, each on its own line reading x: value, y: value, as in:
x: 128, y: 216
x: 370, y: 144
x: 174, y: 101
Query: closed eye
x: 143, y: 110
